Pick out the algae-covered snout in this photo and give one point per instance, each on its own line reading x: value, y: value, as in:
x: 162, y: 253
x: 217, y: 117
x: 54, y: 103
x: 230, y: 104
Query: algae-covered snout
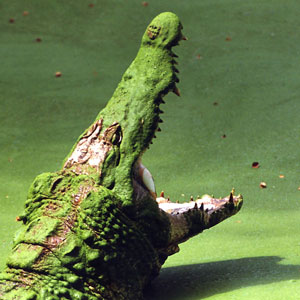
x: 164, y: 31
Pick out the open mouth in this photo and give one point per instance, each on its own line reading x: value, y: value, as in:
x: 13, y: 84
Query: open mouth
x: 144, y: 184
x: 188, y: 218
x: 205, y: 203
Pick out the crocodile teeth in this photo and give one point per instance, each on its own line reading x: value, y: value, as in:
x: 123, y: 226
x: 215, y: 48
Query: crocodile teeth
x: 160, y: 100
x: 159, y: 111
x: 176, y: 91
x: 231, y: 198
x: 147, y: 179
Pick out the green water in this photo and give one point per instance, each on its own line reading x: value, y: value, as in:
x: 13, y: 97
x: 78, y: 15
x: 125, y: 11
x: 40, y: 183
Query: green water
x: 243, y: 55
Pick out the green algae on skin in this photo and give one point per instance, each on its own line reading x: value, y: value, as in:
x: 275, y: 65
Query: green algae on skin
x: 96, y: 229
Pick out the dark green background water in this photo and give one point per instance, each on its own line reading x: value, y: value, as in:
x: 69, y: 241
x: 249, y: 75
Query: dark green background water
x: 244, y: 55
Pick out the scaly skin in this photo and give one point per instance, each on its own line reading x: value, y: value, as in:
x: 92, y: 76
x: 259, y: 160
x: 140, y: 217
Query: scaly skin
x: 96, y: 229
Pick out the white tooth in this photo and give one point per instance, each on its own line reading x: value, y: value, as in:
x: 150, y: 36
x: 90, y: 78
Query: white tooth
x: 147, y: 179
x: 160, y: 200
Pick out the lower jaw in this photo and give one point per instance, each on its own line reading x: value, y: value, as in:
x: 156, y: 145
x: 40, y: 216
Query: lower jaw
x: 206, y: 202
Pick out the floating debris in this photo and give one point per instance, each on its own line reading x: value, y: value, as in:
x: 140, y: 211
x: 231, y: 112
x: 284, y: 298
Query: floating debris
x: 263, y: 185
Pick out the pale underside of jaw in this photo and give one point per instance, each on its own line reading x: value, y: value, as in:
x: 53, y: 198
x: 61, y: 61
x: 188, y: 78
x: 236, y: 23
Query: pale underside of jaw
x: 206, y: 202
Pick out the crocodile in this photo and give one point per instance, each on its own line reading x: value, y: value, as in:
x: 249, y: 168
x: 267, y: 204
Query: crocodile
x: 96, y: 229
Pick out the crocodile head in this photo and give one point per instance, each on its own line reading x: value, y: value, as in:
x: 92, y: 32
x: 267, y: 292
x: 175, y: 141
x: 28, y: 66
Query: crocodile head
x: 111, y: 148
x: 96, y: 229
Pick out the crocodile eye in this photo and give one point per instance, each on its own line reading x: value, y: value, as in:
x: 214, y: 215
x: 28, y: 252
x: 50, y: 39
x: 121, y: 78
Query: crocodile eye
x: 117, y: 137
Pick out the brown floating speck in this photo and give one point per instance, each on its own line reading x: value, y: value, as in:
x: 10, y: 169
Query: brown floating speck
x: 38, y: 40
x: 215, y: 103
x: 198, y: 56
x: 11, y: 20
x: 281, y: 176
x: 58, y: 74
x: 145, y: 3
x: 25, y: 13
x: 263, y: 185
x: 228, y: 39
x: 91, y: 5
x: 255, y: 165
x: 224, y: 136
